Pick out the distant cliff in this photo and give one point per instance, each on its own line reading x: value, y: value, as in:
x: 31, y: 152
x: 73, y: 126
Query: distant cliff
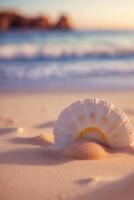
x: 12, y: 20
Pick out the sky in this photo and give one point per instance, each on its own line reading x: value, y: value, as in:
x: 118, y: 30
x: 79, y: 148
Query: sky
x: 84, y: 13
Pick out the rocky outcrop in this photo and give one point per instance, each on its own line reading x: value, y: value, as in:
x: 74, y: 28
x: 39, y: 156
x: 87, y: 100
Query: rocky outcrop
x: 20, y: 22
x: 63, y: 23
x: 12, y: 20
x: 41, y: 23
x: 5, y: 20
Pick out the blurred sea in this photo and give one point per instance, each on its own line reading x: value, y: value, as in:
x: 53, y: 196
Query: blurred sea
x: 78, y: 60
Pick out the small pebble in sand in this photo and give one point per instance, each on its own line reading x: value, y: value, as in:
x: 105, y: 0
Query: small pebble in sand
x: 26, y: 132
x: 47, y: 137
x: 35, y: 136
x: 20, y: 130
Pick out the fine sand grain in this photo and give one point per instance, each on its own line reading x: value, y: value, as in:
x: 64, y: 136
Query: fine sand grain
x: 29, y: 171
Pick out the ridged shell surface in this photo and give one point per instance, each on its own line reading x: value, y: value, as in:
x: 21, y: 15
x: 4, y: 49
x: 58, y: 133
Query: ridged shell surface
x: 94, y: 119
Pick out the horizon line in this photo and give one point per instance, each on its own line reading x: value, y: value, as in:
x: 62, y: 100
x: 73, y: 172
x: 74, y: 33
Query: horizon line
x: 75, y: 25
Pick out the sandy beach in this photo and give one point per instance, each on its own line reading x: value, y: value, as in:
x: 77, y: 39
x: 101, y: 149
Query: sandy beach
x: 27, y: 171
x: 52, y: 54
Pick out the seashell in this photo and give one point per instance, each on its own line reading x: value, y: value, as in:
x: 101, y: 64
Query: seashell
x: 93, y: 119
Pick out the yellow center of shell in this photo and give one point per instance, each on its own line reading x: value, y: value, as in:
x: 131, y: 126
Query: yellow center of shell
x: 92, y: 130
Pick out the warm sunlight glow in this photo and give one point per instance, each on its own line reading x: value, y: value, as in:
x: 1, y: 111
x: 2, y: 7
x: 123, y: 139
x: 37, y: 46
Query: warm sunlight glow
x: 84, y: 13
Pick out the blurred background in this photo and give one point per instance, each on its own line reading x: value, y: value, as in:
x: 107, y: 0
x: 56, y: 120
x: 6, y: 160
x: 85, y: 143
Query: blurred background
x: 66, y: 45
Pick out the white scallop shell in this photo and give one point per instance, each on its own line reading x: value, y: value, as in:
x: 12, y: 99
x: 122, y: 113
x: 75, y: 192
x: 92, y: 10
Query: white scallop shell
x: 115, y: 129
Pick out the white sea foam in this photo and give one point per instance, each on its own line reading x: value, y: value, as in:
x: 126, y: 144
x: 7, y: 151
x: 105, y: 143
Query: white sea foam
x: 27, y: 50
x: 36, y: 71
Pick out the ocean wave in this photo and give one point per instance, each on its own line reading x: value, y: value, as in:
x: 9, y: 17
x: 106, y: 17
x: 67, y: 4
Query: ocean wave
x: 62, y: 71
x: 64, y: 52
